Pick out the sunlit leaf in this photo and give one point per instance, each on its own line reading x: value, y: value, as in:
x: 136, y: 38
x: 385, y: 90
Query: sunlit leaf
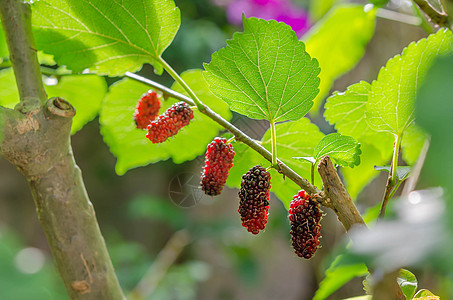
x: 347, y: 110
x: 264, y: 72
x: 343, y: 150
x: 110, y: 37
x: 408, y: 283
x: 425, y: 295
x: 390, y: 105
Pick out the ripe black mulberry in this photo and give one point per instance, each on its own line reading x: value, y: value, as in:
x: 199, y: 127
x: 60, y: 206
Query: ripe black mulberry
x: 169, y: 123
x: 219, y: 160
x: 147, y: 109
x: 305, y: 216
x: 254, y: 199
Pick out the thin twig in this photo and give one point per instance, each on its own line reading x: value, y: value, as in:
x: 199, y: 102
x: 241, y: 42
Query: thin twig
x: 437, y: 17
x: 398, y: 17
x: 238, y: 134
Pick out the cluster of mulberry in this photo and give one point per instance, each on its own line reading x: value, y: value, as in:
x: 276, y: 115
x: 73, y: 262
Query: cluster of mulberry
x: 169, y: 123
x: 304, y: 216
x: 254, y: 199
x: 219, y: 160
x: 147, y: 109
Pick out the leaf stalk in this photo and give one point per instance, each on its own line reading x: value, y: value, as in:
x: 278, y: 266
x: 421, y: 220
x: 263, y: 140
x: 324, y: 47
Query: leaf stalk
x: 274, y: 142
x: 201, y: 107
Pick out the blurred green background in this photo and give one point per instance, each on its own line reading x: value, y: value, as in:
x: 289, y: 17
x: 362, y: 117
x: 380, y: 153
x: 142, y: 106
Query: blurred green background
x: 198, y: 249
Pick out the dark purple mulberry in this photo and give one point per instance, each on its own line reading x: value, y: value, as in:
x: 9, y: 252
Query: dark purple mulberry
x: 254, y: 199
x: 219, y: 160
x: 169, y: 123
x: 147, y: 109
x: 305, y: 216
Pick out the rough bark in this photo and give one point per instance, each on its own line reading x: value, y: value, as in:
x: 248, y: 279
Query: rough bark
x: 336, y: 197
x: 35, y: 137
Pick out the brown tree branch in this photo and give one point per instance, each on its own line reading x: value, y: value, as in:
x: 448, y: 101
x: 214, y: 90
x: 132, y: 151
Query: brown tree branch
x: 22, y: 51
x: 437, y: 17
x: 336, y: 196
x: 35, y: 138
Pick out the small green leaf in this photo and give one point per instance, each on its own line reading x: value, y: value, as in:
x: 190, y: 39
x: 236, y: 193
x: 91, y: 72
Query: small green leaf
x: 306, y: 158
x: 130, y: 145
x: 390, y: 105
x: 413, y: 139
x: 343, y: 150
x: 265, y: 72
x: 347, y: 110
x: 338, y: 42
x: 110, y: 37
x: 425, y: 295
x: 84, y: 92
x: 402, y: 172
x: 408, y: 283
x: 337, y: 275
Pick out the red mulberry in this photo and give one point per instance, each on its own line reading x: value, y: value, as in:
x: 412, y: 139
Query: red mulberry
x: 169, y: 123
x: 304, y: 216
x: 219, y: 160
x: 254, y: 199
x: 147, y: 109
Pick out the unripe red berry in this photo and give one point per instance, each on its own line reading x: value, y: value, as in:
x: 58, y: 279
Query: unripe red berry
x: 305, y: 216
x: 219, y: 160
x: 254, y: 199
x: 147, y: 109
x: 169, y: 123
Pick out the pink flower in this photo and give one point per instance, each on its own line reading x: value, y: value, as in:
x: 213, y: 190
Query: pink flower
x: 280, y: 10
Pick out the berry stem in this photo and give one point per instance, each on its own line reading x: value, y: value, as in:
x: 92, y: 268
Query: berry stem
x: 178, y: 79
x: 274, y: 143
x: 396, y: 153
x: 230, y: 140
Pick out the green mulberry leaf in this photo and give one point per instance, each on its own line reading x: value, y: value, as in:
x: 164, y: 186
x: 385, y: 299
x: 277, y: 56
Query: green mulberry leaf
x: 390, y: 106
x: 343, y: 150
x: 347, y: 110
x: 265, y: 72
x: 110, y: 37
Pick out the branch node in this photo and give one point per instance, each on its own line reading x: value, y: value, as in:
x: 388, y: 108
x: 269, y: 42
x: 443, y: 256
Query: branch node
x: 60, y: 107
